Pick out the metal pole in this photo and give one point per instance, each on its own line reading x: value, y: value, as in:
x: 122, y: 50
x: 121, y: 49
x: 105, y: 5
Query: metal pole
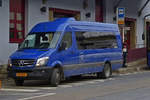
x: 123, y: 32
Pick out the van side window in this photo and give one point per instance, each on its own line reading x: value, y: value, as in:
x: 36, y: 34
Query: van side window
x: 67, y: 38
x: 96, y: 40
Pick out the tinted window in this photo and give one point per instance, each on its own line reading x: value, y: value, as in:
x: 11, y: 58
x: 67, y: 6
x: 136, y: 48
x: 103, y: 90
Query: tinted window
x: 96, y: 40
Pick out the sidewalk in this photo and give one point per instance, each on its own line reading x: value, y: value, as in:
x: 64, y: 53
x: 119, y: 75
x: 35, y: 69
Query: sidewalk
x: 136, y: 66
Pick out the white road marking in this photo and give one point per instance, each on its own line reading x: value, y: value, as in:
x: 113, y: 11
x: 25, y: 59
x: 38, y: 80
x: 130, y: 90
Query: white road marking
x: 18, y: 90
x: 99, y: 80
x: 64, y: 86
x: 34, y: 97
x: 111, y: 79
x: 21, y: 94
x: 78, y: 84
x: 90, y: 82
x: 48, y: 88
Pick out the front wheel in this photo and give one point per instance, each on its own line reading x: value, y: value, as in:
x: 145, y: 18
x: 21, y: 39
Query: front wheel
x: 56, y: 77
x: 107, y: 71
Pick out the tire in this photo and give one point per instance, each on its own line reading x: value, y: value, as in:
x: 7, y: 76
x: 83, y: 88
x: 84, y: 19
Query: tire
x: 56, y: 77
x: 19, y: 82
x: 107, y: 71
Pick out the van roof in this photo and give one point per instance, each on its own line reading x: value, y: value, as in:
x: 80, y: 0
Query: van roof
x: 62, y: 23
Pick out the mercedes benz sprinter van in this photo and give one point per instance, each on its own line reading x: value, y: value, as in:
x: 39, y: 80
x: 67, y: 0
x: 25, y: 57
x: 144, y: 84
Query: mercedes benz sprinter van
x: 66, y: 47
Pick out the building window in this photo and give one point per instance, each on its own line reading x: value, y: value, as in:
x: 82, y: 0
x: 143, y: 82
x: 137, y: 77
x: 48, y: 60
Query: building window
x: 16, y: 26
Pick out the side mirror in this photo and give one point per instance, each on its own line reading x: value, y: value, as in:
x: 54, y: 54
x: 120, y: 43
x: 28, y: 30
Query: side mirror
x: 19, y: 45
x: 62, y: 46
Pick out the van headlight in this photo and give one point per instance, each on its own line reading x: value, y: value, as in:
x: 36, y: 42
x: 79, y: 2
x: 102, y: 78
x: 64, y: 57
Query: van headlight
x: 42, y: 61
x: 9, y: 63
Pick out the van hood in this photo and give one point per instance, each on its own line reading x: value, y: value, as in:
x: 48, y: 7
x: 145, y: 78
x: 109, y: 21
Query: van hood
x: 31, y: 53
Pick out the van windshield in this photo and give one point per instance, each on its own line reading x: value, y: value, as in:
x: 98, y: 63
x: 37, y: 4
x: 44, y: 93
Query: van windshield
x: 40, y: 40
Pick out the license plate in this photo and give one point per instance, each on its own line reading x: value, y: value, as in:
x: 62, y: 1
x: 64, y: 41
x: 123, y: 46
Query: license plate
x: 21, y: 74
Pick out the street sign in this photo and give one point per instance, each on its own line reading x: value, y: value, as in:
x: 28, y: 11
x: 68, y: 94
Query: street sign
x: 120, y: 16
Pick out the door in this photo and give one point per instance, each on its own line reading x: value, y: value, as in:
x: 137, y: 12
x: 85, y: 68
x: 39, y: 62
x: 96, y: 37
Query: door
x: 130, y: 33
x: 69, y: 56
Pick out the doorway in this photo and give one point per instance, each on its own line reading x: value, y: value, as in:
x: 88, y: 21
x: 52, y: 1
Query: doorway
x: 55, y: 13
x: 130, y: 33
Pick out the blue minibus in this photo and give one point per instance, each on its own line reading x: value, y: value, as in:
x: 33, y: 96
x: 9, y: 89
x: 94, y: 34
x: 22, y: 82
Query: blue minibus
x: 65, y: 47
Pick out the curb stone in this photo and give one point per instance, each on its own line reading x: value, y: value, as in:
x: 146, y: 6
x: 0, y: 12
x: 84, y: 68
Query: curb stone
x: 131, y: 69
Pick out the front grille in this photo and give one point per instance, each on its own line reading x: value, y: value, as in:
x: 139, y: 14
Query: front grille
x: 22, y: 62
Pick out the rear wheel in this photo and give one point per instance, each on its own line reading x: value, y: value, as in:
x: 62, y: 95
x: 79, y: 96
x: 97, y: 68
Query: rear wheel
x: 19, y: 82
x: 56, y: 77
x: 107, y: 71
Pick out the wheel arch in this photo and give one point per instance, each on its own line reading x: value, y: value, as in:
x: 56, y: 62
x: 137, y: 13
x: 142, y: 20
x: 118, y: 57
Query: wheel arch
x: 58, y: 65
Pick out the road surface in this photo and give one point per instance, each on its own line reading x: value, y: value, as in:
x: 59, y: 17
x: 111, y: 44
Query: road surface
x: 135, y: 86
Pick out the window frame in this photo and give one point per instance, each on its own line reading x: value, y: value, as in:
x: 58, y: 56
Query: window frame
x: 17, y: 8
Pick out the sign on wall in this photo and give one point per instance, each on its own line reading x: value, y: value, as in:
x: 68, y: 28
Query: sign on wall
x: 120, y: 16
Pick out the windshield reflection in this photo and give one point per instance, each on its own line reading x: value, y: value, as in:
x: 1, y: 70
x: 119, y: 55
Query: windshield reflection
x: 40, y: 40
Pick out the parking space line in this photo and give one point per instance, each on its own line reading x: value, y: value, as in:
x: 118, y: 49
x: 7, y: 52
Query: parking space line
x: 65, y: 86
x: 77, y: 84
x: 34, y: 97
x: 90, y: 82
x: 99, y: 80
x: 18, y: 90
x: 48, y: 88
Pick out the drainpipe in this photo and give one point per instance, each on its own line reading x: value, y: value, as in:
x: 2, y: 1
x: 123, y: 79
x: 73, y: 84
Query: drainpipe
x: 140, y: 11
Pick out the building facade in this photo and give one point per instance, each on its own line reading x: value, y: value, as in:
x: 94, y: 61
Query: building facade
x: 17, y: 17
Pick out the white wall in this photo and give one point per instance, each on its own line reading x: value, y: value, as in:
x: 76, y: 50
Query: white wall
x: 35, y: 15
x: 131, y: 11
x: 109, y: 12
x: 145, y: 12
x: 5, y: 47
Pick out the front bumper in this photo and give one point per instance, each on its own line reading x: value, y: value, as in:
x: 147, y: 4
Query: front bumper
x: 41, y: 73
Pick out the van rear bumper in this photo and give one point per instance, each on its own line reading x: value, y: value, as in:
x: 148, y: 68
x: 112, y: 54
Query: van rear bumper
x: 41, y: 73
